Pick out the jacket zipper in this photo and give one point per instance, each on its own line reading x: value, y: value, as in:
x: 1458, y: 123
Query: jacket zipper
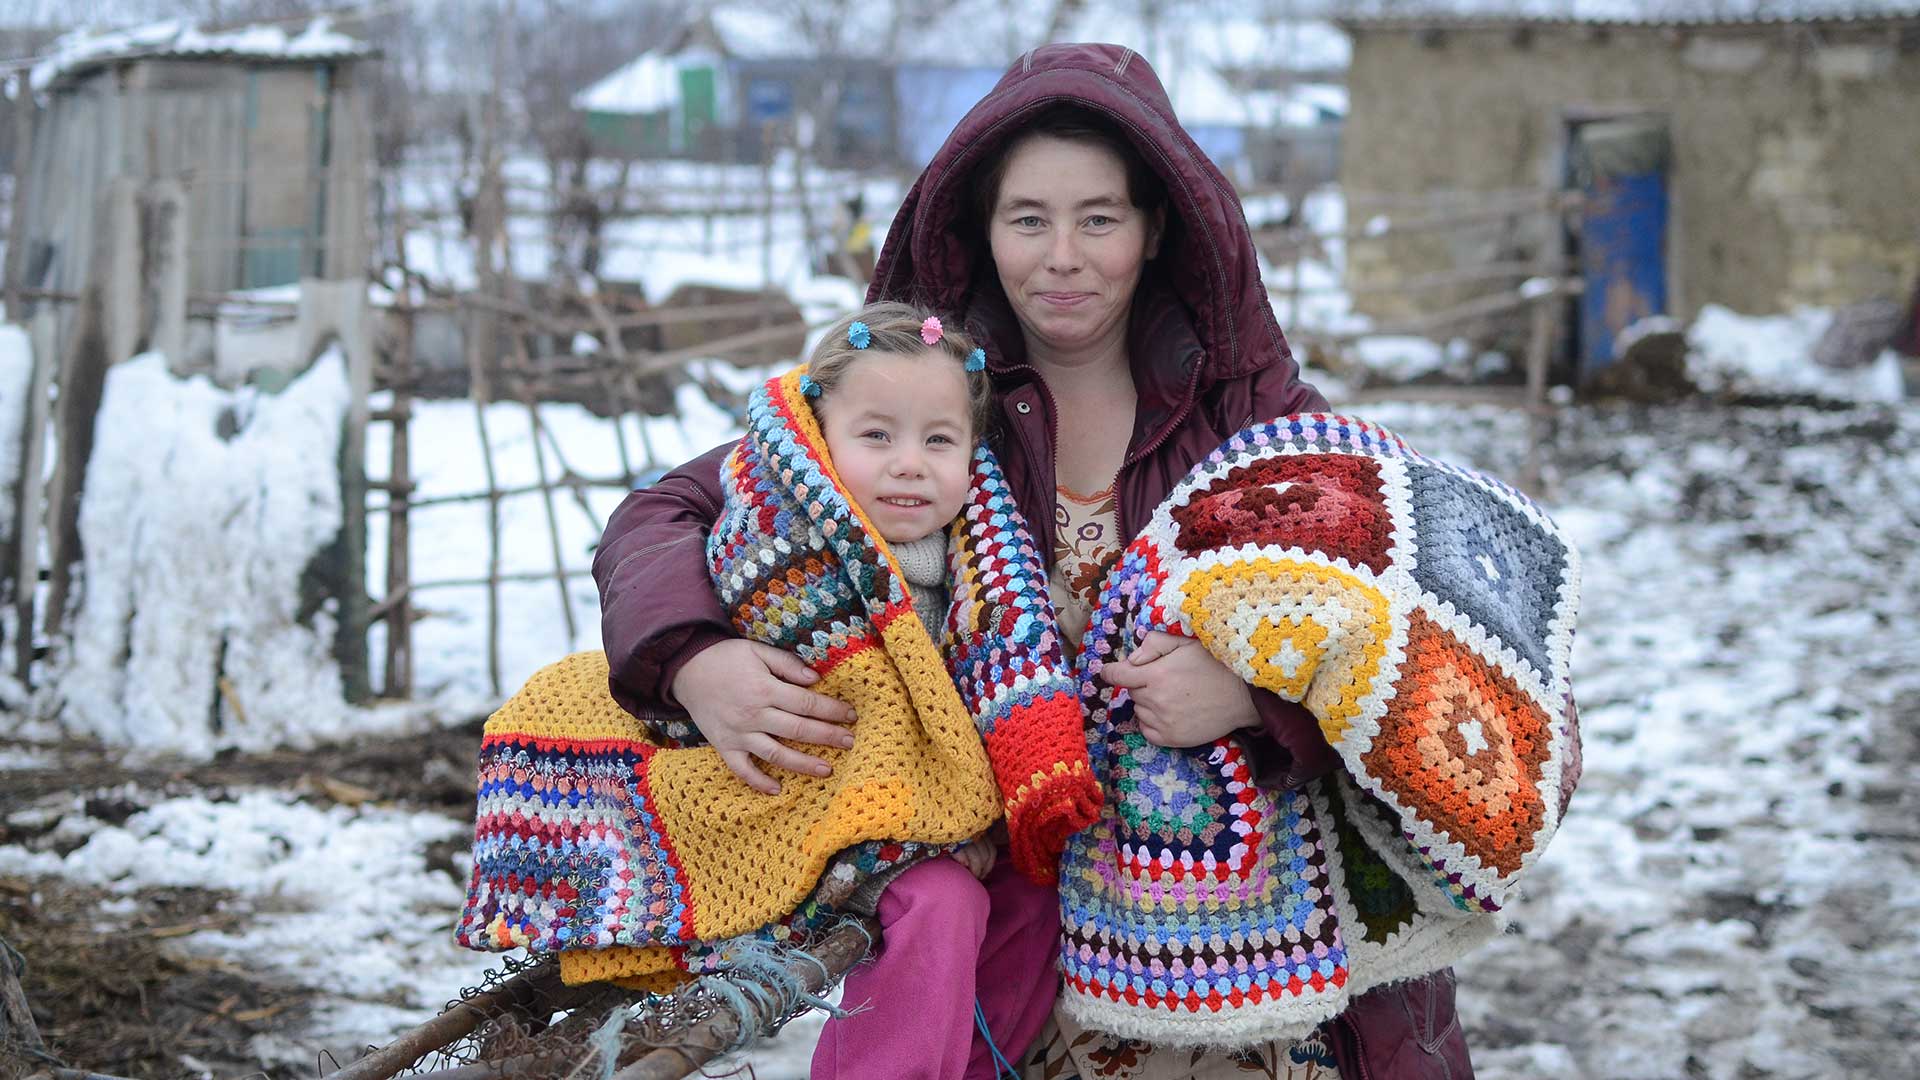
x: 1132, y: 459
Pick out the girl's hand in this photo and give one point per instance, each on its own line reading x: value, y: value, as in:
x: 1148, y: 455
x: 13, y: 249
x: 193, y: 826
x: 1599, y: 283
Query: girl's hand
x: 1182, y: 696
x: 745, y: 697
x: 977, y: 856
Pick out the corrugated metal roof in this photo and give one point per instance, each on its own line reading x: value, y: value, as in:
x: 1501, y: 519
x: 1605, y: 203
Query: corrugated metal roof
x: 1497, y: 21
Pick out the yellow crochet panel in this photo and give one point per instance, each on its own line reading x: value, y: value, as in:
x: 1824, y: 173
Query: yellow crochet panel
x: 1322, y: 647
x: 917, y: 771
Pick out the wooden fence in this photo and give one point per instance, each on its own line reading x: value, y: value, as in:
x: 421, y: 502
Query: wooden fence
x: 1538, y: 287
x: 509, y: 359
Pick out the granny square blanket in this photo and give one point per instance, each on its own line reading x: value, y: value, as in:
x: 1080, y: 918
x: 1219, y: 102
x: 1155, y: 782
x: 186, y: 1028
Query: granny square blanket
x: 1424, y: 614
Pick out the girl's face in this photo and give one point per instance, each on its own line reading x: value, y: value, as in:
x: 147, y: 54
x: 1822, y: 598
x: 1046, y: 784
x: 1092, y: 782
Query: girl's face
x: 1068, y: 243
x: 899, y: 431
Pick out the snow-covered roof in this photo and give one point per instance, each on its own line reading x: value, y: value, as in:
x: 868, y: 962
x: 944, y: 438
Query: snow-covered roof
x: 647, y: 84
x: 85, y: 49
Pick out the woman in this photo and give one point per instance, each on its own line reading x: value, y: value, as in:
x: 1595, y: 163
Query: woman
x: 1105, y: 263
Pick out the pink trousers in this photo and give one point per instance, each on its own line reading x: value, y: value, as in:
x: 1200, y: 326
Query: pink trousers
x: 947, y: 940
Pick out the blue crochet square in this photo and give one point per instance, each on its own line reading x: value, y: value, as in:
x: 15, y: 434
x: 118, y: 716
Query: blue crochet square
x: 1484, y: 556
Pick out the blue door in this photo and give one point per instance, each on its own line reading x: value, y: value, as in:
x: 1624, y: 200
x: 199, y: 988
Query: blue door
x: 1621, y: 167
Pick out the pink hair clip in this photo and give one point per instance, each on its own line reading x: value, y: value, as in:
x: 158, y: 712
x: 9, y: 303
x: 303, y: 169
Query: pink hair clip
x: 931, y: 330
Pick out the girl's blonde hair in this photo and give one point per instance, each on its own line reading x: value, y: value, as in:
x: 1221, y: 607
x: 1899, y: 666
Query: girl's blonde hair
x: 894, y: 328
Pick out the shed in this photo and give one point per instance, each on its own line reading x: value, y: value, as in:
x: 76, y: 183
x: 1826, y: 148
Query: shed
x: 1757, y: 162
x: 265, y: 132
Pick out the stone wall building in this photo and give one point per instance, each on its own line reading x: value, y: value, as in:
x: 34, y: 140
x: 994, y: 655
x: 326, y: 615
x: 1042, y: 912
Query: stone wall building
x: 1774, y: 158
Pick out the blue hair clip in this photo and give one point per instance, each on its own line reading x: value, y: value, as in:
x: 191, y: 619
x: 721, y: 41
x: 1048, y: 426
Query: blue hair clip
x: 808, y: 387
x: 977, y: 360
x: 859, y: 336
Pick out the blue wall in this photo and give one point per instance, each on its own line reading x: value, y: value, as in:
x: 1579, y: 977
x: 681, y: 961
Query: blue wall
x: 932, y: 100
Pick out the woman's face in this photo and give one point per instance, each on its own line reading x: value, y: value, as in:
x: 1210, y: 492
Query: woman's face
x: 1068, y: 243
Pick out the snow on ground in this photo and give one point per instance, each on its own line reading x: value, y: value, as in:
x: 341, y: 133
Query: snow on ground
x: 1733, y: 353
x: 338, y: 898
x: 1734, y: 890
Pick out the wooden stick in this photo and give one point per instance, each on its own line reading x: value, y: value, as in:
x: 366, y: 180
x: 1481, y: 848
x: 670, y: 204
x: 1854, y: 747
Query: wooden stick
x: 16, y: 1016
x: 1432, y: 222
x: 1546, y: 317
x: 546, y: 498
x: 29, y: 505
x: 496, y: 579
x: 618, y: 348
x: 399, y: 665
x: 541, y: 987
x: 1479, y: 307
x: 567, y: 475
x: 1510, y: 268
x: 478, y: 376
x: 568, y: 478
x: 663, y: 361
x: 16, y: 267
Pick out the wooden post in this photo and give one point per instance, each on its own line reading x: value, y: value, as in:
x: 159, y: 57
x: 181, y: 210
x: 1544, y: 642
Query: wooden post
x: 165, y: 238
x: 477, y: 326
x: 766, y: 204
x: 546, y: 488
x: 483, y: 329
x: 1546, y: 312
x: 614, y: 386
x: 123, y: 299
x: 16, y: 268
x: 399, y: 662
x: 30, y: 495
x: 90, y: 350
x: 16, y: 1016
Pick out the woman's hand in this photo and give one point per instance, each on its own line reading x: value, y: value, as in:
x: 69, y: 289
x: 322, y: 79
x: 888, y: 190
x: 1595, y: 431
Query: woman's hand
x: 1182, y: 696
x: 745, y: 697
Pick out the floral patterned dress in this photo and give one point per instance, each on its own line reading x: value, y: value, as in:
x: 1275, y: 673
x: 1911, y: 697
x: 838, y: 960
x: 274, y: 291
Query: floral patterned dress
x: 1086, y: 544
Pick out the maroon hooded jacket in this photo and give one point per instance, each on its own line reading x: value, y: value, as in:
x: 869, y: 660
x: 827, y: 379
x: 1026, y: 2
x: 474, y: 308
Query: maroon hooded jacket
x: 1208, y: 359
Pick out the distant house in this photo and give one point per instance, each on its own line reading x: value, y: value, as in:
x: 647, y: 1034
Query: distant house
x: 265, y: 131
x: 712, y: 88
x: 1759, y: 163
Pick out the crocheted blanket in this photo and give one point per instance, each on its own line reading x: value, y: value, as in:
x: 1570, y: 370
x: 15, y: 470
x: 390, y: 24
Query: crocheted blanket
x: 638, y: 856
x: 1424, y: 614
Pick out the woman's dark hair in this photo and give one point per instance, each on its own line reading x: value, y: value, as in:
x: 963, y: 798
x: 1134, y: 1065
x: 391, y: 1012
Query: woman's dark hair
x: 1072, y: 123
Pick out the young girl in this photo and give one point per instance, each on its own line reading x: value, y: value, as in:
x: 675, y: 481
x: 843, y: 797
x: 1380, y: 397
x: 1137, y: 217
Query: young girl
x: 965, y: 963
x: 639, y: 852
